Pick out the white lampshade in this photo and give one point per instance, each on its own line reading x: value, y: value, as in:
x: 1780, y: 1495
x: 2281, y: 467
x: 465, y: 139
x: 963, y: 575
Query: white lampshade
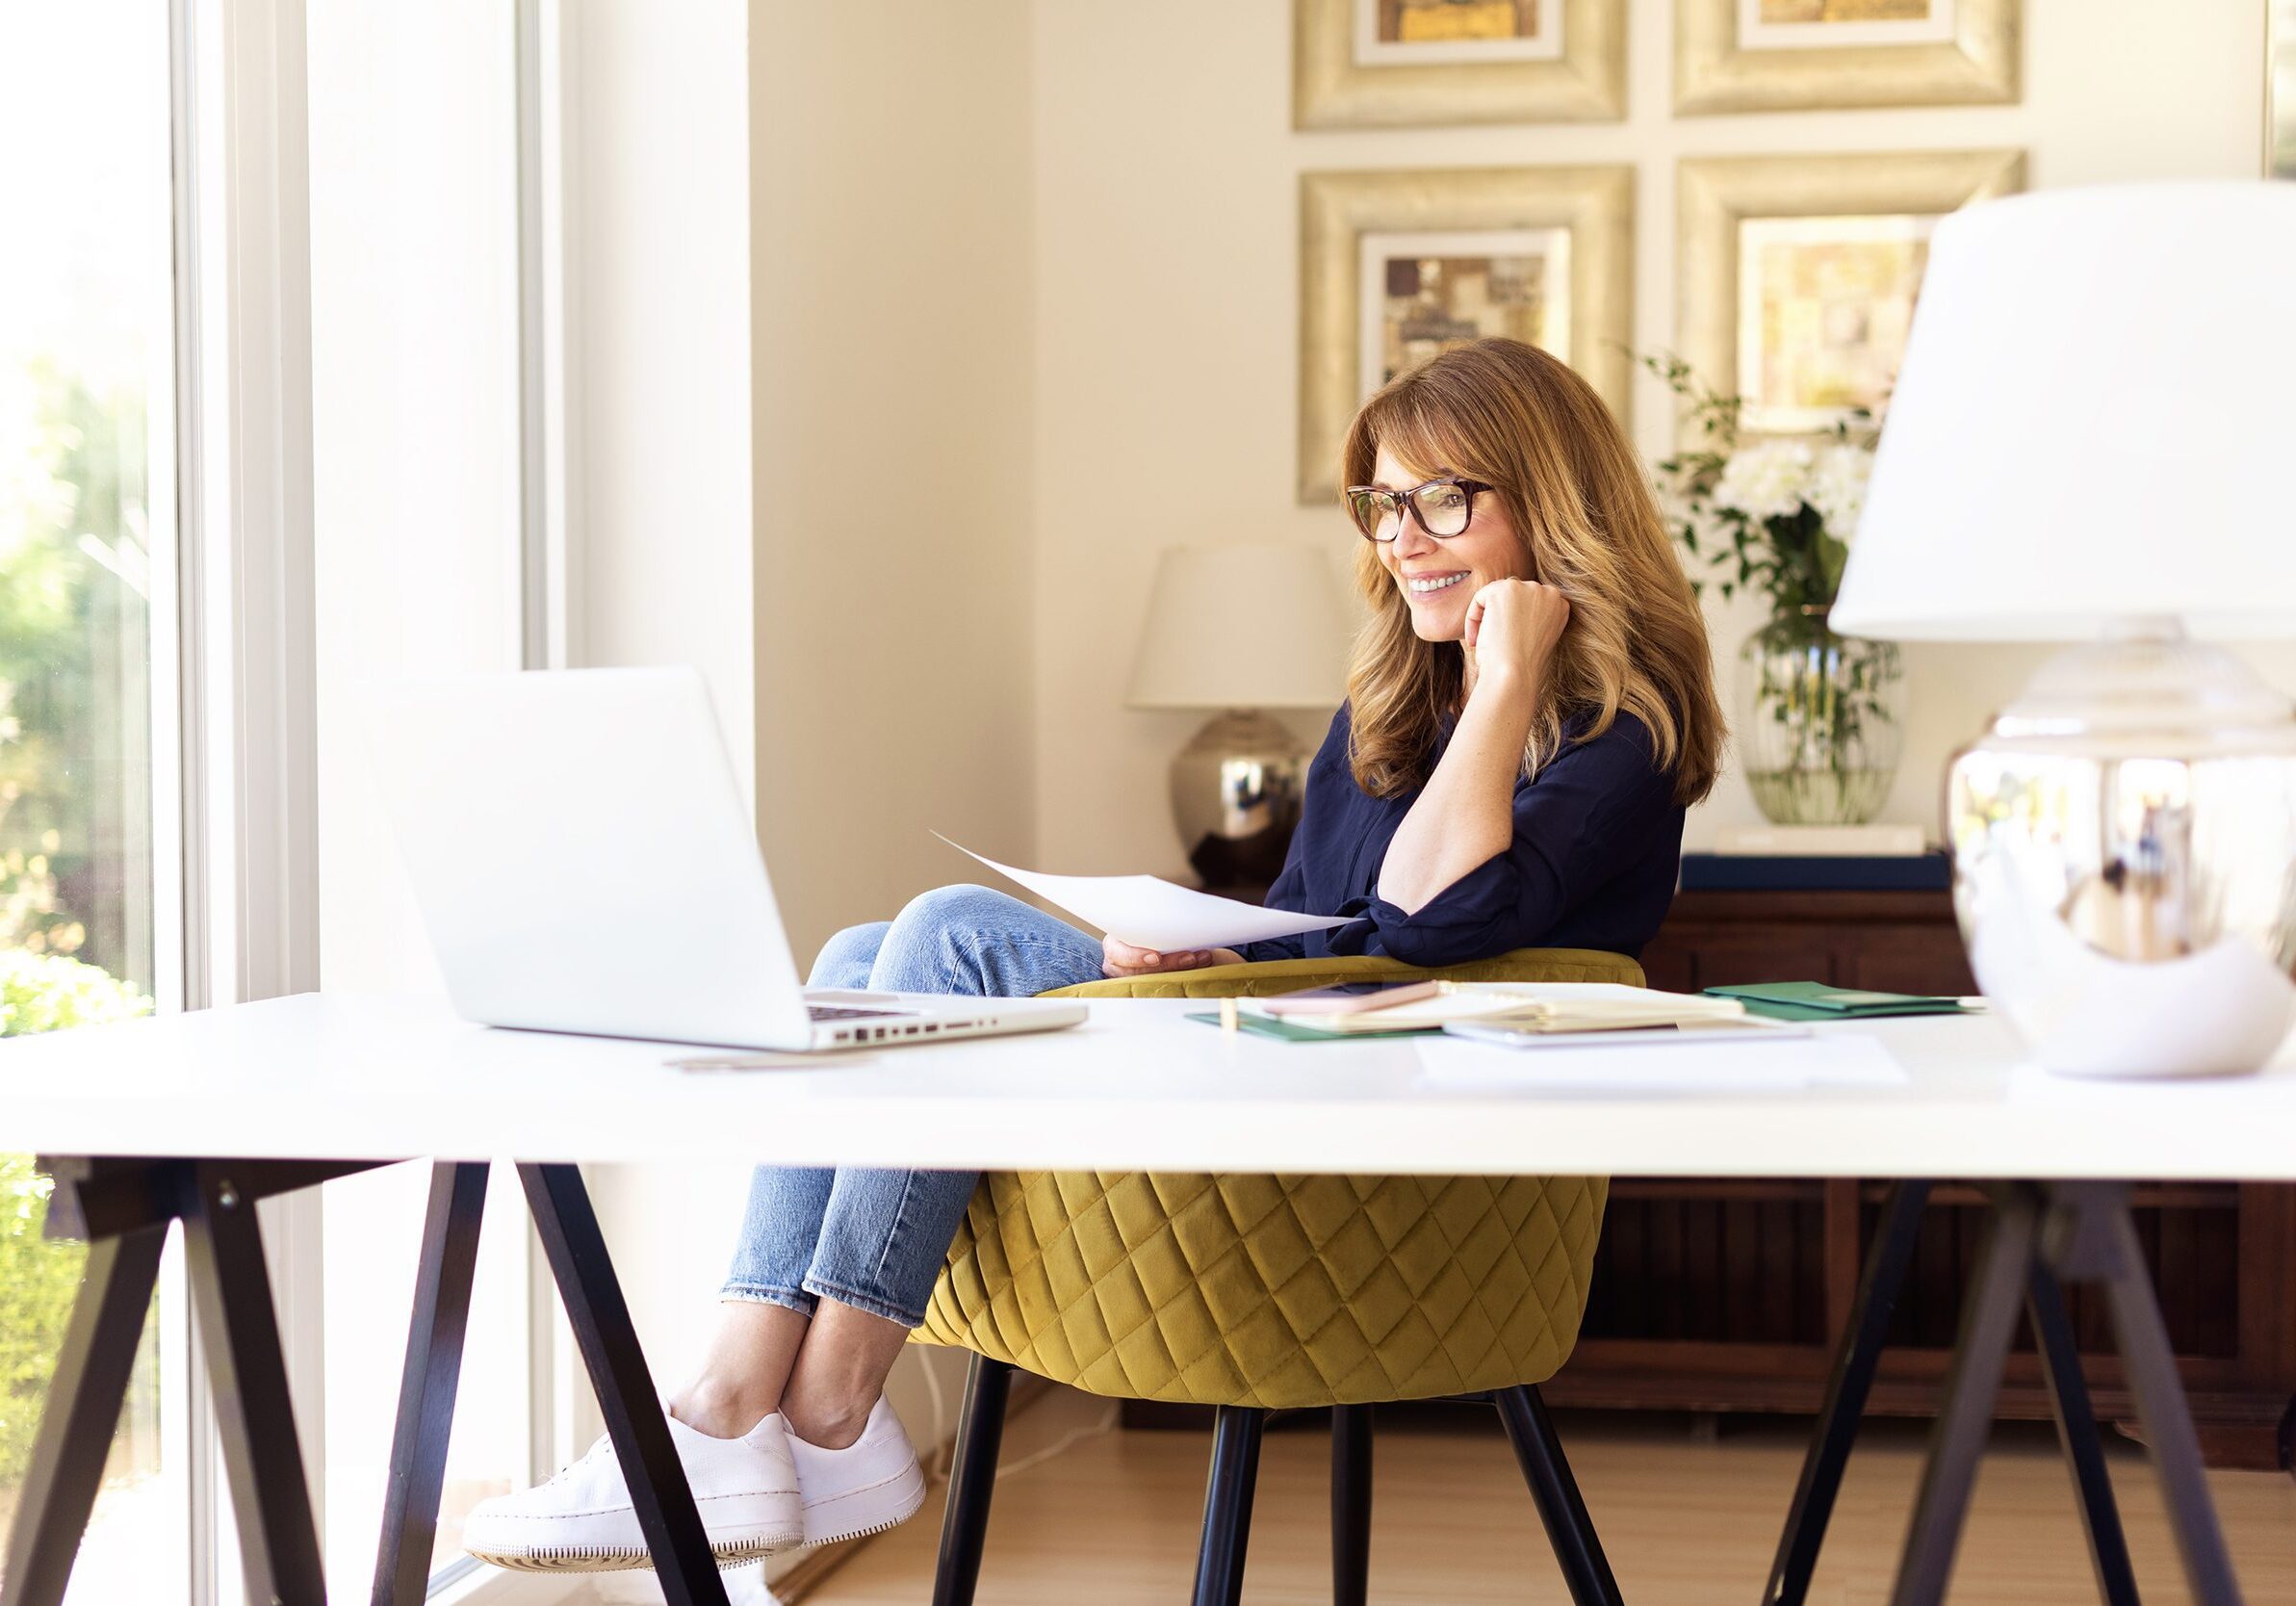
x: 2095, y: 420
x: 1254, y: 625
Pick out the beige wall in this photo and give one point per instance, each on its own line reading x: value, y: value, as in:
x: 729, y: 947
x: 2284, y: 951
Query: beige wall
x: 891, y: 305
x: 1167, y: 311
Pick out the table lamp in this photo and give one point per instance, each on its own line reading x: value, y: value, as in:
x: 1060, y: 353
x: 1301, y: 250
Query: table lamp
x: 2092, y: 441
x: 1241, y: 629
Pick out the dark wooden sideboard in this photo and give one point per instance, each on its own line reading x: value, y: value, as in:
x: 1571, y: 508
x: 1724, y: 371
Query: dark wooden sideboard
x: 1729, y: 1295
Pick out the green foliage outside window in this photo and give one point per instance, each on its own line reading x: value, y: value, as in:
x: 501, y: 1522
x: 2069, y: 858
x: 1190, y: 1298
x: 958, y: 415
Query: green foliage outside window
x: 38, y: 1278
x: 74, y: 570
x: 71, y: 566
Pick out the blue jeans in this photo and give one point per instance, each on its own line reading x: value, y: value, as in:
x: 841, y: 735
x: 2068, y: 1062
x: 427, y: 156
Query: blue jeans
x: 875, y: 1239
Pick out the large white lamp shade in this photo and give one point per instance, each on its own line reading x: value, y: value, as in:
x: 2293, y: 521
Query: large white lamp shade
x: 2096, y: 418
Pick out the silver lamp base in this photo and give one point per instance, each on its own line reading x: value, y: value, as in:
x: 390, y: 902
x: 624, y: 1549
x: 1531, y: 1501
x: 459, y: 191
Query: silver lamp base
x: 1236, y: 790
x: 2125, y: 859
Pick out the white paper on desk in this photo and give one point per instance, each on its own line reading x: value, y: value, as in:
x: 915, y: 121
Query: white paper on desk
x: 1823, y: 1059
x: 1154, y: 913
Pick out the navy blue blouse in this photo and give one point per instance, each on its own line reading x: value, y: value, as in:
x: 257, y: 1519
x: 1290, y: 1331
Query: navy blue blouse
x: 1597, y: 848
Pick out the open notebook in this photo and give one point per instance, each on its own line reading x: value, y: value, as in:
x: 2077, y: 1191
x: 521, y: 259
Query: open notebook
x: 1552, y: 1006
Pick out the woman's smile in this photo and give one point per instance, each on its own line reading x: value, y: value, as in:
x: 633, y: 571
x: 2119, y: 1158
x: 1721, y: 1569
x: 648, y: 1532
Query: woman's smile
x: 1420, y: 586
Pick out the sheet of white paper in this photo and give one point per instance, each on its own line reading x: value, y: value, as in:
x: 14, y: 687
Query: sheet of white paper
x: 1829, y: 1059
x: 1153, y: 914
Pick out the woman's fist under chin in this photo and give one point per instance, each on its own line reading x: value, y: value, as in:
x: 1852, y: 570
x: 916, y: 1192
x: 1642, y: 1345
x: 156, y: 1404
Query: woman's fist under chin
x: 1512, y: 628
x: 1119, y: 959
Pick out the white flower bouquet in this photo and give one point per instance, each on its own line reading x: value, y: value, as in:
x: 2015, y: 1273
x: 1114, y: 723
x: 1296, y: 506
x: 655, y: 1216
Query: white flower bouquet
x: 1775, y: 515
x: 1819, y: 737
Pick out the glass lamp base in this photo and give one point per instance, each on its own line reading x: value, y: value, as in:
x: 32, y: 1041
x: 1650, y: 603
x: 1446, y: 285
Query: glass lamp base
x: 2125, y: 859
x: 1236, y: 791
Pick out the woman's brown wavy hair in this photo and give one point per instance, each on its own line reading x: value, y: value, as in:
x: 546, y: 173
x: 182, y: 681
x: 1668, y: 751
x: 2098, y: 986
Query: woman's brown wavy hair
x: 1508, y: 413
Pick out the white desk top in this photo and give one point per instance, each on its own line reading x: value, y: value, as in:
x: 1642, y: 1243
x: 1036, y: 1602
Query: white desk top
x: 348, y: 1076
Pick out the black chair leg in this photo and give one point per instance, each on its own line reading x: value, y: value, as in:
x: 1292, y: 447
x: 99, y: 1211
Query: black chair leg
x: 1351, y: 1504
x: 971, y: 1482
x: 1227, y: 1506
x: 1569, y: 1529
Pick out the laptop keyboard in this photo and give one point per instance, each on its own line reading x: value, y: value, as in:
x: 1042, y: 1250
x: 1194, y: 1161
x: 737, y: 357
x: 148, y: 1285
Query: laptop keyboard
x: 834, y: 1012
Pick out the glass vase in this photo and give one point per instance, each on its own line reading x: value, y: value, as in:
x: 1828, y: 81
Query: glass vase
x: 1822, y: 721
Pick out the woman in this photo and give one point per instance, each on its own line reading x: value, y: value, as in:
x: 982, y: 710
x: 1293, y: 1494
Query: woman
x: 1529, y: 710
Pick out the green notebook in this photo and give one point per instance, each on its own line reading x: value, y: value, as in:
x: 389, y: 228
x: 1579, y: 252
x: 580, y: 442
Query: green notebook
x: 1267, y: 1025
x: 1815, y: 1001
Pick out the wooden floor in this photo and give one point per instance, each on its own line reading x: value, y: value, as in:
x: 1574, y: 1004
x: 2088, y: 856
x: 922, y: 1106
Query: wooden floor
x: 1688, y: 1520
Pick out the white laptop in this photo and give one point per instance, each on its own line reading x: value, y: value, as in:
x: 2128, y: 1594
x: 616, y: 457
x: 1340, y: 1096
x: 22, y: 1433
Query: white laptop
x: 584, y: 863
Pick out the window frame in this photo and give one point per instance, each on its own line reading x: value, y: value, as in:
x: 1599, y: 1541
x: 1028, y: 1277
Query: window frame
x: 243, y: 666
x: 242, y: 676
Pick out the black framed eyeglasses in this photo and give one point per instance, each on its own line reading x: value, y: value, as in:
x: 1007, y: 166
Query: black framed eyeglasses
x: 1443, y: 506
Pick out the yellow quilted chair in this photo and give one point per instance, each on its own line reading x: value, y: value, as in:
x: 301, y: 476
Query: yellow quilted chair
x: 1254, y: 1294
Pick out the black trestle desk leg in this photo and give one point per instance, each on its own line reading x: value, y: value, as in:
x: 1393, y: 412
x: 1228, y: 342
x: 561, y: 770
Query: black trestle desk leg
x: 81, y: 1415
x: 239, y: 1332
x: 428, y: 1380
x: 2078, y: 1436
x: 1228, y: 1505
x: 2151, y: 1369
x: 1350, y: 1505
x: 600, y: 1317
x: 1989, y: 1312
x: 1570, y: 1531
x: 1887, y: 1262
x: 971, y: 1482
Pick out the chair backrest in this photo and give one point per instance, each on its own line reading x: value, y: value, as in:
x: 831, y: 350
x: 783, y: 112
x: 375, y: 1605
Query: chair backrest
x: 1291, y: 975
x: 1280, y: 1291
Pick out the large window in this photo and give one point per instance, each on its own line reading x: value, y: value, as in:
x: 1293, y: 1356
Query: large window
x: 87, y: 889
x: 175, y: 717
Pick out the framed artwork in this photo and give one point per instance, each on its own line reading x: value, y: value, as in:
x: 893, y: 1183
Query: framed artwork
x: 1398, y: 267
x: 2280, y: 90
x: 1799, y: 274
x: 1798, y: 55
x: 1372, y: 64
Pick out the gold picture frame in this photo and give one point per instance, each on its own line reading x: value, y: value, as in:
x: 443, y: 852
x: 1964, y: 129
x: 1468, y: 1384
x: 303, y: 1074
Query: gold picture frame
x: 1855, y: 215
x: 1755, y: 55
x: 1571, y: 68
x: 1581, y: 217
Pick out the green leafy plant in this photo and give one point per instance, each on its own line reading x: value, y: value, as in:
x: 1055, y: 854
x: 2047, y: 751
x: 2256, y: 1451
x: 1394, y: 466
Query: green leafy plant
x: 48, y: 992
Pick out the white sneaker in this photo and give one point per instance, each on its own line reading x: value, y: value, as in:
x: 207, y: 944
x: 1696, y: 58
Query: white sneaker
x: 582, y: 1520
x: 868, y: 1486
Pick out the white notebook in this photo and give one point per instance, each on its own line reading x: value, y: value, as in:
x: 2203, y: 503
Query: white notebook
x: 1561, y: 1007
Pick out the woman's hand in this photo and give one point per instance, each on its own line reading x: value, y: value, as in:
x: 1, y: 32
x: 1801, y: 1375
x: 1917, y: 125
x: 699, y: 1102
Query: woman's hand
x: 1119, y: 959
x: 1513, y: 626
